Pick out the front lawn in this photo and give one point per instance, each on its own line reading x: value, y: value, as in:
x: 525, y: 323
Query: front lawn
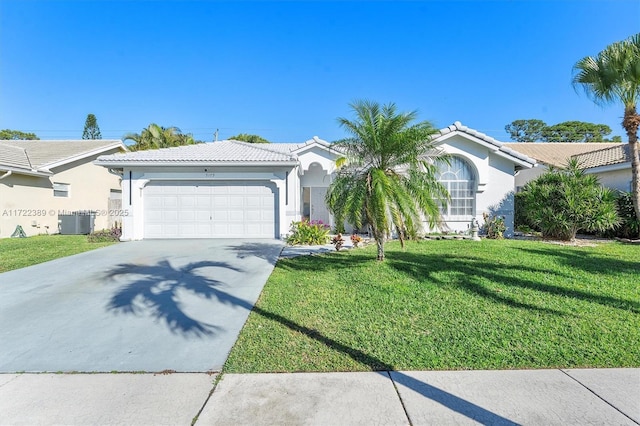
x: 18, y: 253
x: 447, y: 305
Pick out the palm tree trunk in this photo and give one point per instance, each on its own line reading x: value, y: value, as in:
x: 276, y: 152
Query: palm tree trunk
x: 631, y: 122
x: 380, y: 244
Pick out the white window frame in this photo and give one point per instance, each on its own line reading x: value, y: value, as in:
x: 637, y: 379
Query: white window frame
x: 62, y: 190
x: 471, y: 187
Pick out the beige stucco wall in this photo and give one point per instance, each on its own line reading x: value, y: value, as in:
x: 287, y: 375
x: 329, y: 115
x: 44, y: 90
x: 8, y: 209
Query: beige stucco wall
x: 616, y: 179
x: 28, y: 201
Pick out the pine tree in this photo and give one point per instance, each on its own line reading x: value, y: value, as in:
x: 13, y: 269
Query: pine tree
x: 91, y: 128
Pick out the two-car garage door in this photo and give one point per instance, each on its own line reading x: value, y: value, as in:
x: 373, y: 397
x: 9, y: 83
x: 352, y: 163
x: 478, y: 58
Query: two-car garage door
x: 209, y: 209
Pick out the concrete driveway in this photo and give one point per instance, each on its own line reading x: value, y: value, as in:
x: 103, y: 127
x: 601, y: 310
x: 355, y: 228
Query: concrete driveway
x: 137, y: 306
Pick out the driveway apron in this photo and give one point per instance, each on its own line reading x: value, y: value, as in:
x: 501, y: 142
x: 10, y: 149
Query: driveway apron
x: 150, y: 305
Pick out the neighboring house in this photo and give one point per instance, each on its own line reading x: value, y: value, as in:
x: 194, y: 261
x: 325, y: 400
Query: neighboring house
x: 555, y: 154
x: 41, y: 180
x: 612, y: 165
x: 232, y: 189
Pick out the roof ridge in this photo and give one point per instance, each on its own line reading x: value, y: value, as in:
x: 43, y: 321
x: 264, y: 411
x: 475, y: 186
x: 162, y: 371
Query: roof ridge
x: 256, y: 146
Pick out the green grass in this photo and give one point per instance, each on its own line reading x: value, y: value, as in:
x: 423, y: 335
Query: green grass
x: 18, y: 253
x: 447, y: 305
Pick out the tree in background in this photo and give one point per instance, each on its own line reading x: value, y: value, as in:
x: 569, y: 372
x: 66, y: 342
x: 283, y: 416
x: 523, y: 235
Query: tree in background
x: 388, y: 182
x: 575, y: 131
x: 525, y: 130
x: 91, y: 128
x: 245, y: 137
x: 562, y: 202
x: 614, y: 76
x: 156, y: 137
x: 12, y: 135
x: 534, y: 130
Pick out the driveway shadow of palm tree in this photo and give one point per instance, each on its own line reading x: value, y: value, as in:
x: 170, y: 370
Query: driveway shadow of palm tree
x: 267, y: 251
x: 154, y: 290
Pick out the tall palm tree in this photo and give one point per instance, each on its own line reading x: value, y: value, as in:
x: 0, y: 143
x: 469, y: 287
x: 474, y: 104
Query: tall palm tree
x: 614, y: 76
x: 156, y: 137
x: 388, y: 182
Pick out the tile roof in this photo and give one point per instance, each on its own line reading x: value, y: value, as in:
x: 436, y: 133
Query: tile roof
x: 228, y: 151
x: 498, y: 146
x: 293, y: 147
x: 14, y: 156
x: 621, y: 153
x: 40, y: 154
x: 556, y: 153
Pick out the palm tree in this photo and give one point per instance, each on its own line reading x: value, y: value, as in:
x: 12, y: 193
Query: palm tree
x: 156, y: 137
x: 388, y: 182
x: 614, y: 76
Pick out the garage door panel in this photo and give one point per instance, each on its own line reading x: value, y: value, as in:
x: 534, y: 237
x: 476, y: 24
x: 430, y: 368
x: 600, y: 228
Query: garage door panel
x: 187, y: 230
x: 237, y: 201
x: 219, y: 189
x: 169, y: 216
x: 186, y: 216
x: 236, y: 229
x: 220, y: 201
x: 219, y: 216
x: 202, y: 190
x: 169, y: 201
x: 187, y: 202
x: 253, y: 215
x: 203, y: 201
x: 202, y: 216
x: 171, y: 230
x: 209, y: 210
x: 236, y: 216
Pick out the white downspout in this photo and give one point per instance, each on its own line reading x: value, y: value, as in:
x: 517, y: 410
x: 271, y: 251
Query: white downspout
x: 9, y: 173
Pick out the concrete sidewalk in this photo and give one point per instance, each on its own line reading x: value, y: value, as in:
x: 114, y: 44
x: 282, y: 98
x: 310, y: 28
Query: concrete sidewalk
x: 534, y: 397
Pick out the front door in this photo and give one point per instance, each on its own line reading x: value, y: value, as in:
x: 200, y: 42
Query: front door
x: 318, y: 207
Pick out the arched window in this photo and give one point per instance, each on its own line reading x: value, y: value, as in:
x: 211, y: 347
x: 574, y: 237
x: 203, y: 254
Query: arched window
x: 459, y: 179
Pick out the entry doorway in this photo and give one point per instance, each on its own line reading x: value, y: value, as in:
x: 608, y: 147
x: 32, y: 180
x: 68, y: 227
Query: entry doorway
x: 313, y: 204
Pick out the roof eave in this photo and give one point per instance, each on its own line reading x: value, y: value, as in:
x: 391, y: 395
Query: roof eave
x: 122, y: 164
x: 28, y: 172
x: 83, y: 155
x: 609, y: 167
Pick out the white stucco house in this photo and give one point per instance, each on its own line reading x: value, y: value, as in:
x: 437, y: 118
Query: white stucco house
x: 232, y: 189
x: 44, y: 180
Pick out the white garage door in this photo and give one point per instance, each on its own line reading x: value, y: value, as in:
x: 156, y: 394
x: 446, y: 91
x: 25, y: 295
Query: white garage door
x: 209, y: 210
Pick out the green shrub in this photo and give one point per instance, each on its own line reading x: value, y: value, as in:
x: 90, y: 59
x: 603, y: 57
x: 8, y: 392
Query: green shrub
x: 629, y: 226
x: 520, y: 220
x: 309, y: 233
x: 105, y: 235
x: 563, y: 201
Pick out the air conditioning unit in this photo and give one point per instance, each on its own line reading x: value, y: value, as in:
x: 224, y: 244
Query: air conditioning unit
x: 76, y: 223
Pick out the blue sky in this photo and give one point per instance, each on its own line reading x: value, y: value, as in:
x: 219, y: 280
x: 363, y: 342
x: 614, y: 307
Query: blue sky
x: 287, y: 70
